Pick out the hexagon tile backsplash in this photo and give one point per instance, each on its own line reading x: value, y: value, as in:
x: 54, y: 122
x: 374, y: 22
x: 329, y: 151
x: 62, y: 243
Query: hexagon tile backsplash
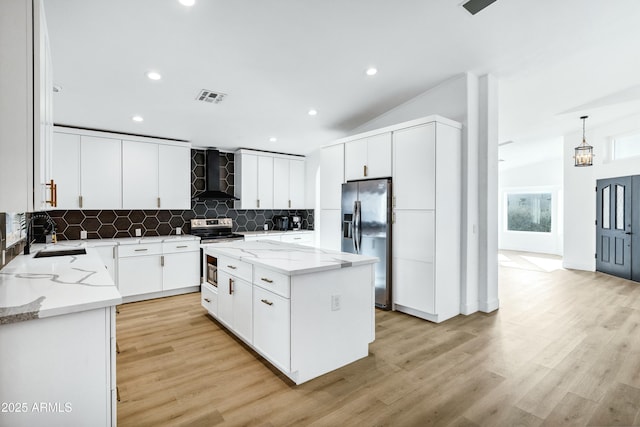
x: 108, y: 224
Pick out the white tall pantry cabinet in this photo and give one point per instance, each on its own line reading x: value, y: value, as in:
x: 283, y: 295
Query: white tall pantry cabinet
x: 423, y: 157
x: 426, y: 234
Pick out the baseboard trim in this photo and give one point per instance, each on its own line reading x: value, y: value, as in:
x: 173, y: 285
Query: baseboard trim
x: 468, y: 309
x: 489, y: 306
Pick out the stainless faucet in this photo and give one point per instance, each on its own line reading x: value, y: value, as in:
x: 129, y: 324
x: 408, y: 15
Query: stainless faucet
x: 27, y: 246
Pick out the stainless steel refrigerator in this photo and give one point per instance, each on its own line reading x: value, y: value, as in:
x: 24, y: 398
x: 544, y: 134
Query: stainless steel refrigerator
x: 366, y: 229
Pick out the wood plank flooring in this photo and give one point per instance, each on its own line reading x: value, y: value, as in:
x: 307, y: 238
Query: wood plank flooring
x: 563, y: 349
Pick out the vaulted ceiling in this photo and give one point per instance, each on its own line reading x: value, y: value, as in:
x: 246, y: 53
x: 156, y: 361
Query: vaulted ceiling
x: 277, y: 59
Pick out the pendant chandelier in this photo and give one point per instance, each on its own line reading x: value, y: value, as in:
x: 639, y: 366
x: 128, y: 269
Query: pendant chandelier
x: 584, y: 152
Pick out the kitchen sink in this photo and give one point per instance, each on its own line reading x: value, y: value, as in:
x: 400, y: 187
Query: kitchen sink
x: 51, y: 253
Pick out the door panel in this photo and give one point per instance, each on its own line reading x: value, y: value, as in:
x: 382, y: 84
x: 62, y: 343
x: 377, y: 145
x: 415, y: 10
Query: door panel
x: 613, y: 226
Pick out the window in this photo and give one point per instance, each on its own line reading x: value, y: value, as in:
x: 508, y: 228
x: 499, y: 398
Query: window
x: 529, y: 212
x: 626, y: 146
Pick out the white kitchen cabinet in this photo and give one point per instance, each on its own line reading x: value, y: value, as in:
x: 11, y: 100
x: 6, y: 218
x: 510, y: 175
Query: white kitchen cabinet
x: 155, y: 269
x: 300, y: 238
x: 368, y: 157
x: 155, y: 176
x: 25, y: 106
x: 426, y: 232
x: 268, y: 181
x: 414, y: 154
x: 139, y: 175
x: 330, y: 229
x: 65, y: 169
x: 266, y: 236
x: 140, y: 269
x: 100, y: 173
x: 288, y: 183
x: 174, y: 186
x: 272, y: 327
x: 331, y: 176
x: 108, y: 257
x: 67, y: 361
x: 209, y: 298
x: 235, y: 303
x: 181, y: 265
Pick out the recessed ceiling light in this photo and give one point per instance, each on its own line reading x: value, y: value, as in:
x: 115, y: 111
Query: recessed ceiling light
x: 273, y: 139
x: 137, y: 118
x: 313, y: 112
x: 154, y: 75
x: 187, y: 2
x: 372, y: 71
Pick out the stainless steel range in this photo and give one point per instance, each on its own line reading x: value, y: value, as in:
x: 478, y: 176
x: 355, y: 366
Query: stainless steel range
x: 211, y: 232
x: 214, y: 230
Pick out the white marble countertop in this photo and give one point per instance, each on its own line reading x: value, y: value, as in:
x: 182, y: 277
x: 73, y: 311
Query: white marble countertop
x: 288, y: 258
x: 271, y: 232
x: 32, y: 288
x: 92, y: 243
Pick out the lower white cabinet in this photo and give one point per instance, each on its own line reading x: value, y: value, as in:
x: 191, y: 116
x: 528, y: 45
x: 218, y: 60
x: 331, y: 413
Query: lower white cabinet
x: 108, y: 257
x: 209, y: 298
x: 235, y: 304
x: 151, y: 270
x: 66, y: 363
x: 272, y: 326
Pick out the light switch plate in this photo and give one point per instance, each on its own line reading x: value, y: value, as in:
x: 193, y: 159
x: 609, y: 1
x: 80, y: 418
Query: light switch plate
x: 83, y: 234
x: 138, y: 232
x: 178, y: 231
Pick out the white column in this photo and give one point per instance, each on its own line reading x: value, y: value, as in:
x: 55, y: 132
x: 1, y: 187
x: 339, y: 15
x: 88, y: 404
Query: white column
x: 488, y: 193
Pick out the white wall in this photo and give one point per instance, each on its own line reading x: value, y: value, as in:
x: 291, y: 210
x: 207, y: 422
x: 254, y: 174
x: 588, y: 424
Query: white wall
x: 538, y: 177
x: 579, y: 188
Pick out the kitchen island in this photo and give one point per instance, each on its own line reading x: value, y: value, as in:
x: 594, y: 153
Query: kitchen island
x: 57, y: 341
x: 306, y: 310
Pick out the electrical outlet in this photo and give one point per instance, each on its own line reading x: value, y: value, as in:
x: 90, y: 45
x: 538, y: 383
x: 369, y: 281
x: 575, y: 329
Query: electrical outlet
x: 83, y: 234
x: 178, y: 231
x: 138, y: 232
x: 335, y: 302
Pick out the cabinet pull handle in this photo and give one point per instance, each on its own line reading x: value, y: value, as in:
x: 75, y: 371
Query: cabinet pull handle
x: 158, y: 201
x: 53, y: 191
x: 230, y: 286
x: 162, y: 260
x: 207, y: 300
x: 393, y: 218
x: 297, y: 238
x: 258, y: 204
x: 114, y: 252
x: 182, y: 246
x: 365, y: 170
x: 233, y: 267
x: 141, y: 250
x: 264, y: 279
x: 80, y: 202
x: 394, y: 201
x: 266, y: 302
x: 289, y: 203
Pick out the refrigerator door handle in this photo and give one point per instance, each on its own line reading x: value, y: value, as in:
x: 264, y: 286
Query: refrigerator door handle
x: 356, y: 220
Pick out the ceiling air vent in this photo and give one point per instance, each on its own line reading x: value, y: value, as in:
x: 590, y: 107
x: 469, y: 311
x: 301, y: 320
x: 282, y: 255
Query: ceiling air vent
x: 210, y: 96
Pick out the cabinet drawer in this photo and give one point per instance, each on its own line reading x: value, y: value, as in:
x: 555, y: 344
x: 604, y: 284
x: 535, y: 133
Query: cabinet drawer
x: 209, y: 298
x: 272, y: 281
x: 297, y: 238
x: 180, y: 246
x: 140, y: 249
x: 235, y: 267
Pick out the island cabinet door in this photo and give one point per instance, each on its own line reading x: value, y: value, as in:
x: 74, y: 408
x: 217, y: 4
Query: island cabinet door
x: 225, y: 298
x: 271, y: 327
x: 242, y: 310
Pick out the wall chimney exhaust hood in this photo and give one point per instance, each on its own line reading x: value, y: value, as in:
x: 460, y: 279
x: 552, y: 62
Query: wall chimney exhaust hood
x: 212, y: 173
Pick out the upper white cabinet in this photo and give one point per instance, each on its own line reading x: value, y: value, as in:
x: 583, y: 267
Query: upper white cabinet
x: 99, y: 170
x: 100, y: 173
x: 269, y: 181
x: 368, y: 157
x: 174, y: 184
x: 331, y: 176
x: 25, y: 104
x: 288, y: 183
x: 414, y: 153
x: 139, y: 175
x: 155, y: 176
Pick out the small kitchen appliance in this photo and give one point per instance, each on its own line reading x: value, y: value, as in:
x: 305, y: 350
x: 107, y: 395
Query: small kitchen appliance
x: 296, y: 222
x: 282, y: 223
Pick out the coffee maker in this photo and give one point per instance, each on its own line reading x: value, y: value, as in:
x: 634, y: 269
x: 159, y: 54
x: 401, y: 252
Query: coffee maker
x: 282, y: 223
x: 296, y: 222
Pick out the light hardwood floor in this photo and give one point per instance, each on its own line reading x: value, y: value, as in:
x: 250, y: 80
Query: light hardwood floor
x: 564, y: 349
